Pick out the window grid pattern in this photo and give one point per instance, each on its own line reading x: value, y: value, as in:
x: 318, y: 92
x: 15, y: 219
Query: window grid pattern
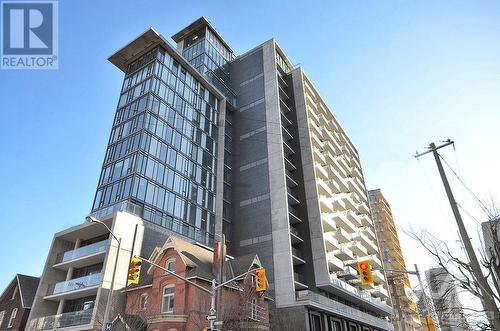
x: 162, y: 148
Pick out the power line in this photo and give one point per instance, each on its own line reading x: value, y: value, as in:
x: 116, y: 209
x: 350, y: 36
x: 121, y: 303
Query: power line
x: 479, y: 202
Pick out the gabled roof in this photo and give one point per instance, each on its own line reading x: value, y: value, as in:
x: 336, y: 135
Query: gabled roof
x: 198, y: 260
x: 26, y: 285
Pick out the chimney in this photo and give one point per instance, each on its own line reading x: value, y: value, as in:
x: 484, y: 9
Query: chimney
x: 219, y: 260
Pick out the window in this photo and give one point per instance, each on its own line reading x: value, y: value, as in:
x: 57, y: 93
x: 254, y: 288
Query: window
x: 12, y: 317
x: 253, y: 310
x: 14, y: 293
x: 143, y: 301
x: 168, y: 299
x: 2, y: 314
x: 170, y: 265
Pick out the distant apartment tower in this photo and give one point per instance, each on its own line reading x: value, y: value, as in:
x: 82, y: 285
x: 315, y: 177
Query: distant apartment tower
x: 206, y: 143
x: 405, y: 315
x: 445, y: 297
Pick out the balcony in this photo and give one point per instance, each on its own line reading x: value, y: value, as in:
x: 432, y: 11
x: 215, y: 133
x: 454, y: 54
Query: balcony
x: 348, y: 273
x: 86, y: 255
x: 286, y: 135
x: 340, y: 218
x: 323, y: 188
x: 290, y: 182
x: 75, y: 288
x: 334, y: 263
x: 289, y: 165
x: 292, y: 199
x: 342, y: 236
x: 297, y: 256
x: 330, y: 242
x: 379, y: 292
x: 294, y: 219
x: 363, y: 208
x: 295, y: 236
x: 374, y: 261
x: 284, y: 108
x: 284, y: 120
x: 344, y: 253
x: 369, y: 244
x: 356, y: 247
x: 287, y: 149
x: 325, y: 204
x: 64, y: 320
x: 300, y: 281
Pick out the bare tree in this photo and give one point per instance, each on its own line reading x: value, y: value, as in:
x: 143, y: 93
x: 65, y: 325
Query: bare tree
x: 457, y: 274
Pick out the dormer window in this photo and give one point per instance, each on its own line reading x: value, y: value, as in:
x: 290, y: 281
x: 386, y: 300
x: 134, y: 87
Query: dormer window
x: 170, y: 265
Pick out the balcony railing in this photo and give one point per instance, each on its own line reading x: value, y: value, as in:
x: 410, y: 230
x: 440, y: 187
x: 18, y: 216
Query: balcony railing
x: 62, y: 320
x: 91, y: 249
x: 76, y: 284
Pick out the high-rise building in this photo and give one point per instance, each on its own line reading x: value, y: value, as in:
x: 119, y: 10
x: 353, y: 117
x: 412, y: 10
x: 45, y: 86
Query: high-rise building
x: 446, y: 300
x: 404, y: 315
x: 206, y: 143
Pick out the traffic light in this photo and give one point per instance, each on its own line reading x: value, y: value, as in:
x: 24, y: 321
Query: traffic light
x: 260, y: 280
x: 365, y: 273
x: 134, y: 270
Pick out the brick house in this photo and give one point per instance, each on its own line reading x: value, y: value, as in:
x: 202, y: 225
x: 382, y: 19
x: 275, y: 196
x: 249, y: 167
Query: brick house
x: 16, y: 301
x: 164, y: 302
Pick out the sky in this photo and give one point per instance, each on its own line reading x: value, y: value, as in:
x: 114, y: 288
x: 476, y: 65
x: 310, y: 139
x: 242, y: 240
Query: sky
x: 397, y: 74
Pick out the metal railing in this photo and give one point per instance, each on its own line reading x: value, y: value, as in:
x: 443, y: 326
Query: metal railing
x: 74, y: 254
x: 75, y: 284
x: 62, y: 320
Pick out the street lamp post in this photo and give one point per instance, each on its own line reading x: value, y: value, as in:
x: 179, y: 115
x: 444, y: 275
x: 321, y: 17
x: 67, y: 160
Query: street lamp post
x: 92, y: 219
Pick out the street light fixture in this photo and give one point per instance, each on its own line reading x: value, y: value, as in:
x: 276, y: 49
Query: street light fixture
x: 92, y: 219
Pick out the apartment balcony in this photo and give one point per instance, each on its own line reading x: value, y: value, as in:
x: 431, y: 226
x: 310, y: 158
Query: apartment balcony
x: 356, y: 247
x: 319, y: 156
x: 363, y: 208
x: 283, y: 94
x: 369, y: 233
x: 325, y: 204
x: 369, y: 244
x: 75, y: 288
x: 83, y: 256
x: 284, y: 107
x: 341, y: 235
x: 71, y: 319
x: 365, y: 220
x: 354, y: 218
x: 334, y: 263
x: 297, y: 256
x: 292, y: 199
x: 321, y: 172
x: 287, y: 149
x: 295, y: 236
x: 323, y: 188
x: 290, y: 182
x: 379, y: 292
x: 285, y: 121
x: 330, y: 242
x: 348, y: 273
x: 344, y: 253
x: 286, y: 134
x: 341, y: 220
x: 299, y: 282
x: 289, y: 165
x: 378, y: 276
x: 293, y: 218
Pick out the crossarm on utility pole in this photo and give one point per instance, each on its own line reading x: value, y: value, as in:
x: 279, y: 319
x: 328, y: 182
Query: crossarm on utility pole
x: 175, y: 275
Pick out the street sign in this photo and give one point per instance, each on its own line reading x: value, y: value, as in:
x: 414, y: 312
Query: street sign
x: 211, y: 317
x: 107, y: 327
x: 217, y: 323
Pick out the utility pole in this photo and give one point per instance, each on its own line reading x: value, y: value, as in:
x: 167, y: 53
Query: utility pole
x: 487, y: 299
x: 428, y: 305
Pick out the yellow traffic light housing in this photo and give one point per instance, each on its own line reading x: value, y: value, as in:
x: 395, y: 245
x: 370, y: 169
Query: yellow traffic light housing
x: 134, y: 270
x: 365, y: 273
x: 260, y: 280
